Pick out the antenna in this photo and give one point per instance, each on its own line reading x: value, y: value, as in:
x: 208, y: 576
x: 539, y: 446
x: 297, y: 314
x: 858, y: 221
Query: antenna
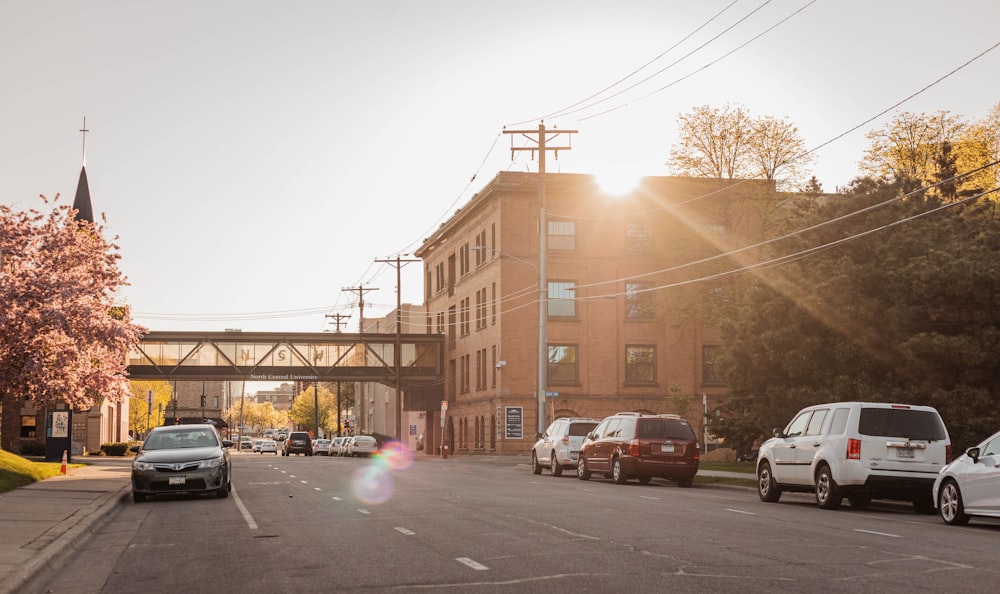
x: 84, y: 130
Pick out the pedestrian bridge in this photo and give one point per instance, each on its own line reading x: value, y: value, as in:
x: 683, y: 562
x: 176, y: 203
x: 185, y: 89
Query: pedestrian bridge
x: 276, y: 356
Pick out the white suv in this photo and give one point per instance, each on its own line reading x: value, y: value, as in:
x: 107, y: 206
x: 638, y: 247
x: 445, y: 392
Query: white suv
x: 559, y: 446
x: 858, y: 450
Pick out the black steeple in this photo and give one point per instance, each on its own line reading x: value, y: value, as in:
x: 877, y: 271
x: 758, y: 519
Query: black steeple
x: 84, y: 210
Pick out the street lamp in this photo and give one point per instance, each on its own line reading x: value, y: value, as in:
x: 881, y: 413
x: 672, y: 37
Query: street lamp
x: 543, y: 354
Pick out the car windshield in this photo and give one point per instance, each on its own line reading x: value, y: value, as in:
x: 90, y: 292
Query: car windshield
x: 663, y: 429
x: 180, y: 439
x: 898, y: 422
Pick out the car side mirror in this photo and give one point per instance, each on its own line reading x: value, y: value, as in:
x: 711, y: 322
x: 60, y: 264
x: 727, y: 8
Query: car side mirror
x: 538, y: 435
x: 226, y: 443
x: 777, y: 433
x: 973, y: 453
x: 134, y: 448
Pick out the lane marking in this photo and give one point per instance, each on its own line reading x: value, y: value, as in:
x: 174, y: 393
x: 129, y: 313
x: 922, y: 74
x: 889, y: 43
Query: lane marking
x: 740, y: 511
x: 878, y: 533
x: 402, y: 530
x: 363, y: 511
x: 335, y: 498
x: 648, y: 497
x: 317, y: 489
x: 251, y: 524
x: 472, y: 564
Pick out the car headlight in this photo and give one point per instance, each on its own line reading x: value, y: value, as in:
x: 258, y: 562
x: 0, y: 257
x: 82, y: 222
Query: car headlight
x: 212, y: 462
x: 141, y: 466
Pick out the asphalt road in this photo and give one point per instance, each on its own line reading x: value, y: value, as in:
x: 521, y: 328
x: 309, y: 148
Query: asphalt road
x: 318, y: 524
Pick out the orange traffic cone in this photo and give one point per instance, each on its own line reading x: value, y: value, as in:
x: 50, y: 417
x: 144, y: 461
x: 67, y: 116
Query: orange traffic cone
x: 62, y: 469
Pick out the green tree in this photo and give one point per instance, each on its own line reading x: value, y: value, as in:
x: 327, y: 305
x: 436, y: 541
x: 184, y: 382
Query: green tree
x: 908, y: 313
x: 138, y: 405
x: 304, y: 412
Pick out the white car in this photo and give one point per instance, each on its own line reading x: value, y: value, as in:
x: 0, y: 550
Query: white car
x: 559, y: 447
x: 321, y: 447
x: 268, y: 445
x: 363, y: 445
x: 858, y: 450
x: 970, y: 485
x: 345, y: 445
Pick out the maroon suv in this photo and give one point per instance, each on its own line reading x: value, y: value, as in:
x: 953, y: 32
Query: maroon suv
x: 633, y: 445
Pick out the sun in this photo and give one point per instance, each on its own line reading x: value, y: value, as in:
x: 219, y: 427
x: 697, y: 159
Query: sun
x: 617, y: 180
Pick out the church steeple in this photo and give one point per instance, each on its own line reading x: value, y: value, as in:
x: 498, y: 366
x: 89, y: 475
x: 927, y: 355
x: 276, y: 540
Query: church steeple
x: 84, y: 210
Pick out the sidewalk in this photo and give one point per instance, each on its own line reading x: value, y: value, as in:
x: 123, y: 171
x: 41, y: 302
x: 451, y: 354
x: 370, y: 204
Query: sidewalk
x: 42, y: 524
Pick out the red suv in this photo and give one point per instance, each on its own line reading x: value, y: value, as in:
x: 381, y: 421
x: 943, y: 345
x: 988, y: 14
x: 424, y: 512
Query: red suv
x: 633, y: 445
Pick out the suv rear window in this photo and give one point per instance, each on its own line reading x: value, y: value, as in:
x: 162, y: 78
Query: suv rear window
x: 663, y: 429
x: 581, y: 429
x: 896, y: 422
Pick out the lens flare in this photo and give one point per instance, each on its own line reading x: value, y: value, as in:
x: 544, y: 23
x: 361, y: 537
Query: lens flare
x: 396, y: 455
x: 372, y: 484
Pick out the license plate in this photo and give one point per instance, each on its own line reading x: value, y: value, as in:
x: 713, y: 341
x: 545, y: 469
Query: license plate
x: 667, y: 447
x: 176, y: 480
x: 904, y: 453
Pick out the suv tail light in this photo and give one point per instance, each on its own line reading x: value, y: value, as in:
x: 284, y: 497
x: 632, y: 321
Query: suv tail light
x: 633, y: 448
x: 853, y: 449
x: 947, y: 453
x: 565, y: 440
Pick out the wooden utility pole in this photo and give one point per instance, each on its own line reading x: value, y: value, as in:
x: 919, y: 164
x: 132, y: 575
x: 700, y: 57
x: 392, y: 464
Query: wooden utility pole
x: 337, y: 317
x: 397, y: 356
x: 360, y: 290
x: 541, y: 144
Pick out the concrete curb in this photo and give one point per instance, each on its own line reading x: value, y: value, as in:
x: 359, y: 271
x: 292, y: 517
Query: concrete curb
x: 54, y: 554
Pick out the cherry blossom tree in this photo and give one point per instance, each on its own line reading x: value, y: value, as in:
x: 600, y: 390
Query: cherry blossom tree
x: 62, y: 337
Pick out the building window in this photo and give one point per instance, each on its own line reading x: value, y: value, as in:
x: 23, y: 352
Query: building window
x: 640, y: 364
x: 28, y: 426
x: 562, y: 299
x: 563, y: 365
x: 638, y: 238
x: 562, y: 235
x: 481, y: 249
x: 638, y: 301
x: 493, y: 305
x: 481, y: 309
x: 465, y: 372
x: 464, y: 315
x: 709, y: 370
x: 452, y: 328
x: 481, y: 369
x: 463, y: 260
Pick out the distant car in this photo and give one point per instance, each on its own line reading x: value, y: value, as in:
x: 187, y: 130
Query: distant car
x: 335, y: 445
x: 363, y: 446
x: 298, y: 442
x: 632, y: 445
x: 246, y: 443
x: 256, y: 444
x: 181, y: 459
x: 345, y: 446
x: 559, y: 447
x: 268, y: 445
x: 321, y: 447
x: 970, y: 484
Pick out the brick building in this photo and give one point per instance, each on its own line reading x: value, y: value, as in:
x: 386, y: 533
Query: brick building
x: 628, y: 297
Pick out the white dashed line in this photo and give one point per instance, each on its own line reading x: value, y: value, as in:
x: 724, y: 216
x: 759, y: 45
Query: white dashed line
x: 402, y: 530
x: 335, y: 498
x: 363, y: 511
x: 878, y: 533
x: 740, y: 511
x: 243, y: 510
x: 470, y: 563
x: 648, y: 497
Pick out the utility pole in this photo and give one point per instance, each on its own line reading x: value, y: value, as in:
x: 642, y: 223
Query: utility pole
x: 541, y: 144
x: 397, y: 356
x: 360, y: 290
x: 337, y: 317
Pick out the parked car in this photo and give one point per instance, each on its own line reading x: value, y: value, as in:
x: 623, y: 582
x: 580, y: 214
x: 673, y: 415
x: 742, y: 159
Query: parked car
x: 970, y: 485
x: 246, y: 443
x: 363, y: 446
x: 345, y: 446
x: 268, y: 445
x: 181, y: 459
x: 321, y: 447
x: 298, y: 442
x: 858, y: 450
x: 335, y: 445
x: 256, y: 444
x: 559, y: 447
x: 634, y: 445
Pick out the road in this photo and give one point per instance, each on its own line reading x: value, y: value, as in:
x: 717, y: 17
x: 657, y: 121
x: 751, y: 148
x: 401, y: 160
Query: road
x: 300, y: 524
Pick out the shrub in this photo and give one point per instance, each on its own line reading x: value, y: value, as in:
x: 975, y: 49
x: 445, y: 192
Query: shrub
x: 114, y: 449
x: 32, y: 448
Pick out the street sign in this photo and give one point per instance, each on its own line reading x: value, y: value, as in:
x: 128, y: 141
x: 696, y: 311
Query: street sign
x: 552, y: 394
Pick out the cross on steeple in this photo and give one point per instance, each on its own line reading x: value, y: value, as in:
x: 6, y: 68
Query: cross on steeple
x: 84, y: 130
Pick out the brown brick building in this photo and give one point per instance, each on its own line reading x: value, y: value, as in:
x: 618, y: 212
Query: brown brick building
x: 628, y: 300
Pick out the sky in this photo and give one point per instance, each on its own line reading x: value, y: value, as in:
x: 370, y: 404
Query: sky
x: 254, y: 158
